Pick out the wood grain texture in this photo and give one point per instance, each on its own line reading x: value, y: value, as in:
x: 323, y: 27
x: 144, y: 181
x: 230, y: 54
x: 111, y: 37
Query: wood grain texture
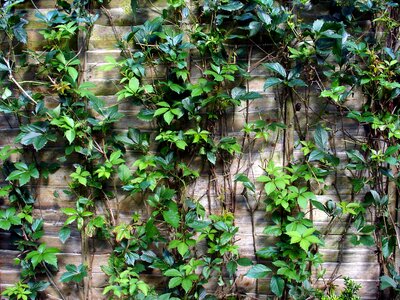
x: 358, y: 263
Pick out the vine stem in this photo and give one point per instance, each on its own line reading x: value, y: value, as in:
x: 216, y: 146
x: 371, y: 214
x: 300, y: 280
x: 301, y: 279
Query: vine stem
x: 12, y: 78
x: 53, y: 283
x: 396, y: 228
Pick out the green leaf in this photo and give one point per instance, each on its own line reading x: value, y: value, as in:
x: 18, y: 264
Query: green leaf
x: 313, y: 239
x: 302, y: 201
x: 387, y: 282
x: 124, y: 173
x: 367, y: 240
x: 70, y: 135
x: 232, y: 6
x: 254, y: 27
x: 35, y: 259
x: 73, y: 73
x: 134, y: 6
x: 211, y: 157
x: 171, y: 217
x: 36, y: 134
x: 321, y: 138
x: 244, y: 262
x: 264, y: 17
x: 187, y: 284
x: 295, y: 236
x: 131, y: 258
x: 4, y: 68
x: 277, y: 285
x: 392, y: 149
x: 305, y: 244
x: 146, y: 115
x: 181, y: 144
x: 64, y: 234
x: 258, y: 271
x: 316, y: 155
x: 168, y: 117
x: 355, y: 156
x: 172, y: 273
x: 182, y: 248
x: 297, y: 83
x: 74, y: 273
x: 246, y: 181
x: 388, y: 247
x: 317, y: 25
x: 133, y: 85
x: 270, y: 187
x: 277, y: 68
x: 5, y: 224
x: 272, y: 81
x: 263, y: 178
x: 143, y: 287
x: 69, y: 211
x: 174, y: 282
x: 160, y: 111
x: 61, y: 58
x: 23, y: 173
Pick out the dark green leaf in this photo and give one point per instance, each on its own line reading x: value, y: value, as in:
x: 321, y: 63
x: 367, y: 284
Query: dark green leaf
x: 211, y: 157
x: 131, y: 257
x: 321, y: 138
x: 258, y: 271
x: 232, y: 6
x: 316, y: 155
x: 74, y: 273
x: 387, y: 282
x: 244, y: 262
x: 171, y: 217
x: 64, y: 234
x: 277, y: 68
x: 277, y: 285
x: 272, y: 81
x: 146, y: 114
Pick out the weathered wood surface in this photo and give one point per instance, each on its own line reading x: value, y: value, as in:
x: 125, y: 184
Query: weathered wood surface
x: 358, y: 263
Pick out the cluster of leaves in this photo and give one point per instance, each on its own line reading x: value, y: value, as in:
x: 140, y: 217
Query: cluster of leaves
x: 44, y: 125
x: 178, y: 239
x: 368, y: 64
x: 194, y: 251
x: 350, y: 291
x: 286, y: 192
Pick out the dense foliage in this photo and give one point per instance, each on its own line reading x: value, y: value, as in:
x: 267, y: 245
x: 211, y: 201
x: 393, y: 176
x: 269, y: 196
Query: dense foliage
x: 188, y: 71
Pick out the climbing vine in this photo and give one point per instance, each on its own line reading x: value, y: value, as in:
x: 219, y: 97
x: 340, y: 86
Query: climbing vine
x: 188, y: 74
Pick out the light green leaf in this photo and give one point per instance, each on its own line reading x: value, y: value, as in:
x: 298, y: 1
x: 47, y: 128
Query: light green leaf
x: 302, y: 201
x: 73, y: 73
x: 182, y: 248
x: 305, y: 244
x: 172, y: 273
x: 174, y: 282
x: 168, y: 117
x: 133, y: 85
x: 187, y: 284
x: 143, y: 287
x: 270, y: 187
x: 70, y: 135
